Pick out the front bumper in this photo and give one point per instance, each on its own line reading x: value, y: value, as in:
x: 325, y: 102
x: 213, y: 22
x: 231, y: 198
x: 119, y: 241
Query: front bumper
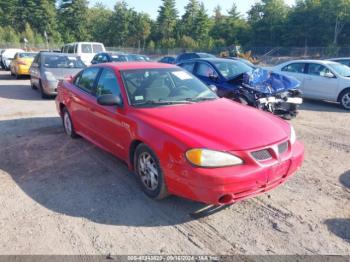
x: 221, y: 186
x: 49, y: 87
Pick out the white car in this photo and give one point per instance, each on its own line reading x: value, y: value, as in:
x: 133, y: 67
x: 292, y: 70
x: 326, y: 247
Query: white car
x: 8, y: 55
x: 320, y: 79
x: 86, y: 50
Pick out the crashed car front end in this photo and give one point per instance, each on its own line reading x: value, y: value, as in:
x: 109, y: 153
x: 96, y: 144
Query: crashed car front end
x: 273, y: 92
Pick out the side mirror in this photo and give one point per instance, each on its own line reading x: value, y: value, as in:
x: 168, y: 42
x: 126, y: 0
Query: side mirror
x: 110, y: 100
x: 213, y: 88
x: 329, y: 75
x: 213, y: 77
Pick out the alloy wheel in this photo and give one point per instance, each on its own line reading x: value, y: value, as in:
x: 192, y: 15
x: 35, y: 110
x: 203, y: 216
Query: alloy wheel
x: 346, y: 100
x: 67, y: 124
x: 148, y: 171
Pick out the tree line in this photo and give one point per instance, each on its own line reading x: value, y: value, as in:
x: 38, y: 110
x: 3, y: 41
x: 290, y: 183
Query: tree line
x: 269, y: 23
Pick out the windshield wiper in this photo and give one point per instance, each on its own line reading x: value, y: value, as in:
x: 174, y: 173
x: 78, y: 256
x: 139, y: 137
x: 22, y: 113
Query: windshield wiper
x: 199, y: 99
x: 162, y: 102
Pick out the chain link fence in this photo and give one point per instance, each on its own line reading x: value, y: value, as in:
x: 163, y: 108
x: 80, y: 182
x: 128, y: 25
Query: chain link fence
x: 265, y: 55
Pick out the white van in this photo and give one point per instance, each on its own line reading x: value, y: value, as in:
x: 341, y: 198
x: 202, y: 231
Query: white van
x: 86, y: 50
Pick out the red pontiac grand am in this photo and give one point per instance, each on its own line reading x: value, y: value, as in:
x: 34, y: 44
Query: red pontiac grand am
x: 176, y: 134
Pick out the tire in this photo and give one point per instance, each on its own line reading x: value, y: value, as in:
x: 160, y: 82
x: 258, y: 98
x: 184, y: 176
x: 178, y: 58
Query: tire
x: 147, y: 169
x: 32, y: 85
x: 344, y: 99
x: 42, y: 92
x: 68, y: 124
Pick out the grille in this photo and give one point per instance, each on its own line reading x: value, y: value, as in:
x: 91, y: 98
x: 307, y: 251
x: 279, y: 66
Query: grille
x: 262, y: 155
x: 282, y: 148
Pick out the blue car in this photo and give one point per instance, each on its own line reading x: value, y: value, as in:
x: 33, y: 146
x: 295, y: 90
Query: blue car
x: 249, y: 85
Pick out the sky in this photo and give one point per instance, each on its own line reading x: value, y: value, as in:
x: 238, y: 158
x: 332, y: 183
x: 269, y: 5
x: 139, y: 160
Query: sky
x: 151, y: 6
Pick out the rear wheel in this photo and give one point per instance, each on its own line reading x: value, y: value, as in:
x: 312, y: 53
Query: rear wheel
x: 150, y: 175
x: 344, y: 99
x: 68, y: 124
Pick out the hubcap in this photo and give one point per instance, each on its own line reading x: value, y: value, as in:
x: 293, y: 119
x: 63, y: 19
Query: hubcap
x: 148, y: 171
x: 346, y: 100
x: 67, y: 124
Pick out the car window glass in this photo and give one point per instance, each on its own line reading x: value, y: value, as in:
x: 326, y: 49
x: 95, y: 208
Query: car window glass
x: 108, y: 84
x: 87, y: 78
x: 104, y: 58
x: 86, y: 48
x: 318, y: 70
x: 188, y: 66
x: 295, y: 68
x: 71, y: 49
x: 205, y: 70
x: 97, y: 48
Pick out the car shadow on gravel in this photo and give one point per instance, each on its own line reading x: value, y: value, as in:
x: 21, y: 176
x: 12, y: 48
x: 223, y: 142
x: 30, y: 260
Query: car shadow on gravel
x: 322, y: 106
x: 74, y: 178
x: 339, y: 227
x: 345, y: 179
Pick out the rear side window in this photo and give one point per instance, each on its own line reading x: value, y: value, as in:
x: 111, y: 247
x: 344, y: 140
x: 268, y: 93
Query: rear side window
x: 188, y: 67
x: 71, y: 49
x: 97, y: 48
x: 86, y: 48
x: 108, y: 84
x: 295, y: 68
x: 87, y: 78
x: 205, y: 70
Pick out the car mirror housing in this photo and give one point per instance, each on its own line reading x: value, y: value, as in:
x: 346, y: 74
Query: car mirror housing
x: 110, y: 100
x: 214, y: 77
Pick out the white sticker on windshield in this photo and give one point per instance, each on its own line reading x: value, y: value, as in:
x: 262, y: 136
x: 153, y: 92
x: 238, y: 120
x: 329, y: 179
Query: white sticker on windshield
x: 182, y: 75
x: 138, y: 98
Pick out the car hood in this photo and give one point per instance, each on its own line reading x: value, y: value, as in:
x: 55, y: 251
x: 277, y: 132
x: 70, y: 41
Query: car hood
x: 268, y: 82
x: 61, y: 73
x: 219, y: 125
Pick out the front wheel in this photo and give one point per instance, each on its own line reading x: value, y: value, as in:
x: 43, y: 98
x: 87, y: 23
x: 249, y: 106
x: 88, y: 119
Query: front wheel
x: 345, y: 99
x: 149, y: 173
x: 68, y: 124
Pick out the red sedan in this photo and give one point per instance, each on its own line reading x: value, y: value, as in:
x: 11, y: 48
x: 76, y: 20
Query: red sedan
x: 176, y: 134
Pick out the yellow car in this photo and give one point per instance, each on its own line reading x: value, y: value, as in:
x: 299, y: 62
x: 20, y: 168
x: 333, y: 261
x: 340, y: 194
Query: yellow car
x: 21, y: 63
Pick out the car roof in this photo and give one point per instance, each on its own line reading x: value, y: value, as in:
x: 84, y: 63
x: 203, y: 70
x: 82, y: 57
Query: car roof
x: 324, y: 62
x: 58, y: 54
x: 211, y: 60
x: 135, y: 65
x: 339, y: 58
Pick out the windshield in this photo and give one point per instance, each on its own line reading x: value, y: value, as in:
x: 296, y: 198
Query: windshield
x: 27, y: 55
x: 340, y: 69
x: 59, y: 61
x: 169, y: 86
x: 230, y: 69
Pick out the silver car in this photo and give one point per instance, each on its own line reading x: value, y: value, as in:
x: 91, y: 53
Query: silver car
x: 49, y: 68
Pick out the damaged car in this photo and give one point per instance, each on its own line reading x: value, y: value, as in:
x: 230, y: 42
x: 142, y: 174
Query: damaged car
x: 248, y: 85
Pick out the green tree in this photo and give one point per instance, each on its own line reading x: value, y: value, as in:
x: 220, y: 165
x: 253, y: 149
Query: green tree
x: 166, y: 22
x: 72, y: 15
x: 98, y: 22
x: 188, y: 20
x: 267, y: 20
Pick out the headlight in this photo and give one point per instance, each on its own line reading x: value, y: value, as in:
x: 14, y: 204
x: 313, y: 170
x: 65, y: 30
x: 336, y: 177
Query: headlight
x: 210, y: 158
x: 49, y: 76
x: 293, y: 136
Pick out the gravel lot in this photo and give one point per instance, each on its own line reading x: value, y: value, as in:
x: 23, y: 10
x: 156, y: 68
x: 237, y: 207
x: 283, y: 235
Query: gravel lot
x: 59, y: 196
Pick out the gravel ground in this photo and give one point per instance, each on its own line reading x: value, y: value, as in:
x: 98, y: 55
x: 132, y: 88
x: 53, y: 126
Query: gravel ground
x: 59, y: 196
